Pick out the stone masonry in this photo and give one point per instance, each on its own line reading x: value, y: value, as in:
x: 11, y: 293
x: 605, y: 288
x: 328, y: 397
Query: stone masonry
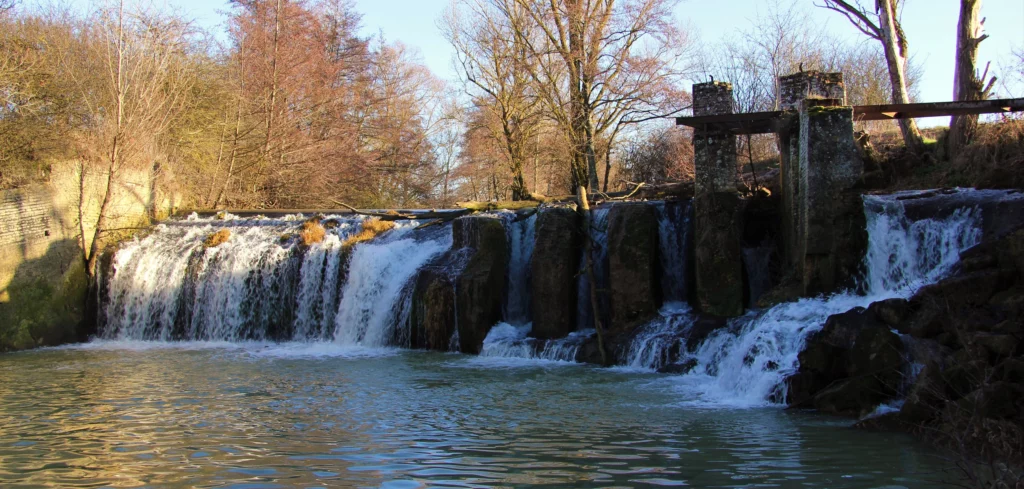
x: 717, y: 207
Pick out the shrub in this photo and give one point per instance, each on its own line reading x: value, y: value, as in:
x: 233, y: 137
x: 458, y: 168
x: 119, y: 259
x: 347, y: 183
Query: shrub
x: 312, y: 232
x: 216, y: 239
x: 370, y: 229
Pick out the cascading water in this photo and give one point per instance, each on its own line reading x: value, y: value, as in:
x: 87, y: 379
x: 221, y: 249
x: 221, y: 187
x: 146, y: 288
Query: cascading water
x: 509, y: 341
x: 372, y: 302
x: 261, y: 284
x: 520, y: 241
x: 747, y: 362
x: 673, y: 237
x: 257, y: 285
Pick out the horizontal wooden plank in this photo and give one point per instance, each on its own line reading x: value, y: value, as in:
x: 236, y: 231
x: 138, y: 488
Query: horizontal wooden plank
x: 764, y: 122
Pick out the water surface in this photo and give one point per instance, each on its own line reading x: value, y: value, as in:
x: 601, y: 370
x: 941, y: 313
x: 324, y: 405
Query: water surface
x: 254, y: 415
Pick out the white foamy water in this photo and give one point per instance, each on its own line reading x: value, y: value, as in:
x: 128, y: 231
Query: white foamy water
x: 510, y: 341
x: 372, y: 302
x: 746, y: 363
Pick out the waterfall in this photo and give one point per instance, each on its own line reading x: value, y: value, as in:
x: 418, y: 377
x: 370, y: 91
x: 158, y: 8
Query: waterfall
x: 261, y: 284
x: 747, y: 362
x: 376, y: 295
x: 673, y: 237
x: 520, y: 245
x: 510, y: 341
x: 599, y: 241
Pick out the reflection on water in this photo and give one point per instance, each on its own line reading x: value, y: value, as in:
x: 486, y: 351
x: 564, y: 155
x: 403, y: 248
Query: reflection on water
x: 260, y: 416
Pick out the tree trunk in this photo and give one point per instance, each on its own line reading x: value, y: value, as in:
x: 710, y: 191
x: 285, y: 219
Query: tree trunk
x: 896, y: 58
x: 967, y: 85
x: 588, y: 248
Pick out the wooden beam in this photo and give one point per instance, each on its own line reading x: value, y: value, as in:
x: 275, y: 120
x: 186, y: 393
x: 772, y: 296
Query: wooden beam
x: 936, y: 109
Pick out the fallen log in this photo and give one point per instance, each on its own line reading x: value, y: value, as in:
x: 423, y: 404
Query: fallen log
x: 397, y: 216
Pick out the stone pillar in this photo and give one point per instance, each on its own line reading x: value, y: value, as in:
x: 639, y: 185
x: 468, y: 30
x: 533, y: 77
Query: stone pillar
x: 717, y: 208
x: 829, y: 166
x: 793, y: 90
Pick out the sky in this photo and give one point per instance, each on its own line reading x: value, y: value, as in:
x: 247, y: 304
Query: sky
x: 930, y: 26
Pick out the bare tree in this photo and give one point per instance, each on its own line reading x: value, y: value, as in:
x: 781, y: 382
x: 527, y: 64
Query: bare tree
x: 593, y: 56
x: 494, y: 61
x: 142, y: 91
x: 882, y: 24
x: 968, y: 85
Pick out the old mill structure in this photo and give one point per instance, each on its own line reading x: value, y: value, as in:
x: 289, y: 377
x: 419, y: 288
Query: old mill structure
x: 821, y: 168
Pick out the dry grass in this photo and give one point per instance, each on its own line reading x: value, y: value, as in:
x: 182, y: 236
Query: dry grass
x: 995, y: 159
x: 312, y: 232
x: 370, y: 229
x: 216, y: 239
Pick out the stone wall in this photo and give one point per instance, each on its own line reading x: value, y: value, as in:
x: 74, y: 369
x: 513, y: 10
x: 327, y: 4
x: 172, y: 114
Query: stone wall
x: 43, y: 283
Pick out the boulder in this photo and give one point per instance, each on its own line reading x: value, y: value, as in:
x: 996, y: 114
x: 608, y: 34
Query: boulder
x: 973, y: 289
x: 432, y: 319
x: 842, y: 330
x: 891, y: 312
x: 702, y: 327
x: 480, y: 286
x: 994, y: 348
x: 553, y: 268
x: 1010, y: 370
x: 633, y: 265
x: 878, y: 354
x: 718, y: 252
x: 851, y: 397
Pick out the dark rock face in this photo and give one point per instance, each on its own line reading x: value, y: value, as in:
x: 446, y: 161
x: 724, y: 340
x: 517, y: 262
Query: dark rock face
x: 433, y: 314
x: 633, y: 265
x: 553, y: 270
x: 849, y: 367
x: 480, y: 286
x: 828, y: 356
x: 719, y: 268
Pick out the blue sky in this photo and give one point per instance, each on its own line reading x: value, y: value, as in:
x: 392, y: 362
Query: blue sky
x: 930, y: 26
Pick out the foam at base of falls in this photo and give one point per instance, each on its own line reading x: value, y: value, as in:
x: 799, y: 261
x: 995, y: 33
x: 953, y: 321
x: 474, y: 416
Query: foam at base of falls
x: 507, y: 341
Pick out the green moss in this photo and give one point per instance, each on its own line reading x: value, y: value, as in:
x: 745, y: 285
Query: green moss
x: 43, y: 311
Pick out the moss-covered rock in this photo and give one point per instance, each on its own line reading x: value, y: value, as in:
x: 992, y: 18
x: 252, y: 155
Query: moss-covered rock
x: 553, y: 268
x: 39, y: 309
x: 633, y: 268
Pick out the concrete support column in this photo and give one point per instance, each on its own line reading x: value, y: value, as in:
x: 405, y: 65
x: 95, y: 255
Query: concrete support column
x: 829, y: 165
x: 793, y: 90
x: 717, y: 208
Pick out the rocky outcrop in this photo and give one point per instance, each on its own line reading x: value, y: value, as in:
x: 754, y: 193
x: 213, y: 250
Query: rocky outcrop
x: 480, y: 286
x: 849, y: 367
x: 633, y: 269
x: 463, y: 287
x: 432, y: 319
x: 965, y: 335
x: 553, y: 270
